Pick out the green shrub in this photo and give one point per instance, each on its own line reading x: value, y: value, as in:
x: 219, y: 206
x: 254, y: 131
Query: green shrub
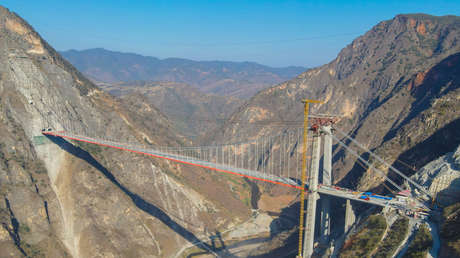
x: 39, y: 167
x: 450, y: 229
x: 32, y: 250
x: 23, y: 228
x: 20, y: 160
x: 393, y: 239
x: 365, y: 241
x: 421, y: 243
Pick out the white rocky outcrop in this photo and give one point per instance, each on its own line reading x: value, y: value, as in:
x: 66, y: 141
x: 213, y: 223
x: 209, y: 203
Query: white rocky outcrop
x: 442, y: 177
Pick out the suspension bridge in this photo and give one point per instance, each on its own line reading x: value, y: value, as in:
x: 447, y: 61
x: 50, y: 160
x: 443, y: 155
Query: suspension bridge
x: 278, y: 159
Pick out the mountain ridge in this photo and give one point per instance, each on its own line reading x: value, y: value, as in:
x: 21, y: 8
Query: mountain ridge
x: 371, y: 82
x: 398, y: 89
x: 102, y: 49
x: 192, y: 112
x: 240, y: 79
x: 62, y: 198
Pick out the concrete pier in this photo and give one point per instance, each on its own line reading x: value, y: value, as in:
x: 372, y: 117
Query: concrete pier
x: 312, y: 198
x: 326, y: 180
x: 349, y: 216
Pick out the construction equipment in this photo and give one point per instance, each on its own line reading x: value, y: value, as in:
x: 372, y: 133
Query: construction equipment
x: 304, y: 170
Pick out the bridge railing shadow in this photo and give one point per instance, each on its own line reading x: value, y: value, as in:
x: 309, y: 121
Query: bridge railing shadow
x: 137, y: 200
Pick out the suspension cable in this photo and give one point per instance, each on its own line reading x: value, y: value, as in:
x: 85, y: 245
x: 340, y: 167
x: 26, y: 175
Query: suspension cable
x: 365, y: 162
x: 359, y: 162
x: 385, y: 163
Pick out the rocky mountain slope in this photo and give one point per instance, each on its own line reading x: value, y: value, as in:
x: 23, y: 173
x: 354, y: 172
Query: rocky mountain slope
x: 61, y: 198
x: 442, y: 177
x: 192, y: 112
x: 238, y: 79
x: 396, y: 89
x: 450, y: 231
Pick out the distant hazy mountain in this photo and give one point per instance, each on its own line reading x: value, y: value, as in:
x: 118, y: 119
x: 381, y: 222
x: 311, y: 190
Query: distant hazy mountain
x: 192, y: 113
x: 239, y: 79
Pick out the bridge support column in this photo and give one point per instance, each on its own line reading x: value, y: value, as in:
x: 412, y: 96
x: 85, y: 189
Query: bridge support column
x: 312, y: 198
x: 349, y: 216
x: 326, y: 180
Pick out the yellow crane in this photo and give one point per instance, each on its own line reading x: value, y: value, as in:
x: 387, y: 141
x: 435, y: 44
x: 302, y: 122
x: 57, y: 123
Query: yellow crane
x: 304, y: 169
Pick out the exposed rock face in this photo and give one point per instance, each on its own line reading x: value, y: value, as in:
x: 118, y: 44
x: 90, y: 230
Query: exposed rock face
x: 235, y: 79
x: 442, y: 178
x: 395, y: 87
x: 60, y: 198
x: 192, y: 112
x: 450, y: 231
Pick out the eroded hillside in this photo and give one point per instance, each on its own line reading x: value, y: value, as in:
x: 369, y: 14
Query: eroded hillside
x: 398, y: 76
x: 61, y: 198
x: 192, y: 112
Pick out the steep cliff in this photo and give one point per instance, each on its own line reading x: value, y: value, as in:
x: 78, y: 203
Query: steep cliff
x: 442, y: 177
x: 396, y: 89
x: 61, y: 198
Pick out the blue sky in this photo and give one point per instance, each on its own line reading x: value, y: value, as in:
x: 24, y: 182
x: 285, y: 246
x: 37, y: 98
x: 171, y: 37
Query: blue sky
x: 275, y: 33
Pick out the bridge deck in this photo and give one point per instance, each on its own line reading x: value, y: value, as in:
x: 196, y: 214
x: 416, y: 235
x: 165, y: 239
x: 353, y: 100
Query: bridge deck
x: 257, y: 175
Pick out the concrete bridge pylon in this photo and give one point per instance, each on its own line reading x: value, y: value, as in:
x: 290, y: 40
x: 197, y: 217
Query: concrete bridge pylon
x: 326, y: 180
x: 313, y: 196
